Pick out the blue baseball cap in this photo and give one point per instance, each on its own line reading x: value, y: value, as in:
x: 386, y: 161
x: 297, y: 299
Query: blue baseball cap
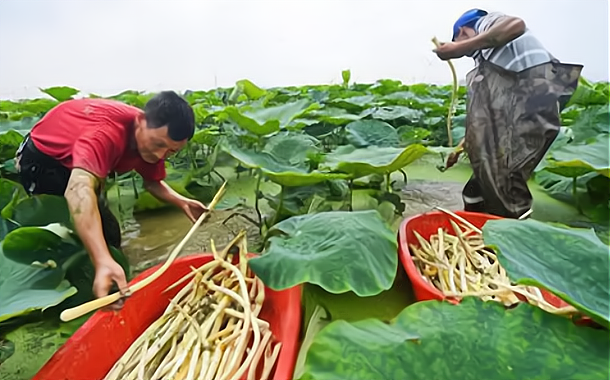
x: 469, y: 19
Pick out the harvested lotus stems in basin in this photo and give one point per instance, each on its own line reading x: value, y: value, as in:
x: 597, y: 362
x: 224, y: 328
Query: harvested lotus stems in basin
x: 210, y: 330
x: 458, y: 263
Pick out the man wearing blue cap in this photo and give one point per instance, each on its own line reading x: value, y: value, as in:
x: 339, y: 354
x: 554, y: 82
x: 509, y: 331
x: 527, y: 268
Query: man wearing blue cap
x: 515, y: 95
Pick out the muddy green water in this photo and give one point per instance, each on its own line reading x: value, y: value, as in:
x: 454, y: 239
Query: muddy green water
x: 149, y: 241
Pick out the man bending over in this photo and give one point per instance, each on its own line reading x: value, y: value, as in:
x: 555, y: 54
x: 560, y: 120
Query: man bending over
x: 79, y: 143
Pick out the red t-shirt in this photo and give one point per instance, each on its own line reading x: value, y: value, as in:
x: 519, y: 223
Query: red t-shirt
x: 95, y: 135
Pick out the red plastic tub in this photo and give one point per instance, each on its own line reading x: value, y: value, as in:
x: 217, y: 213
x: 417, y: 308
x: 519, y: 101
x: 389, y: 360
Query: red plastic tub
x: 92, y: 351
x: 427, y: 225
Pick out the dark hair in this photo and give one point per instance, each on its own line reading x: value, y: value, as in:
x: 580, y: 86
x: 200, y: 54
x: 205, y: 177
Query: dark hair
x: 169, y: 109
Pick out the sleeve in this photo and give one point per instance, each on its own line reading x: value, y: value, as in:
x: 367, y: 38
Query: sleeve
x: 96, y: 151
x: 152, y: 172
x: 488, y: 21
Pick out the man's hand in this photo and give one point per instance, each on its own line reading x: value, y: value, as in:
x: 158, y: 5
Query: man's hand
x: 452, y: 159
x: 106, y: 273
x: 450, y: 50
x: 193, y: 209
x: 160, y: 190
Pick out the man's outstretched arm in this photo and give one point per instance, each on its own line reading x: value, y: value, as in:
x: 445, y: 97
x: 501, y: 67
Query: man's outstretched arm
x: 503, y: 31
x: 161, y: 190
x: 82, y: 202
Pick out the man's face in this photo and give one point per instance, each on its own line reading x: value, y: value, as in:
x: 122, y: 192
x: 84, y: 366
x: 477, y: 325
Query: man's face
x: 465, y: 33
x: 153, y: 143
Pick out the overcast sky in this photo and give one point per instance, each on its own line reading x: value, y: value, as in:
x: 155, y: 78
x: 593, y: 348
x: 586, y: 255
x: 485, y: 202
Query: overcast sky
x: 108, y: 46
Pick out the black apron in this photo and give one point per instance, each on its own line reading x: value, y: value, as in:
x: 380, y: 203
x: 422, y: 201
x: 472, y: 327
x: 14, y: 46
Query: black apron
x: 42, y: 174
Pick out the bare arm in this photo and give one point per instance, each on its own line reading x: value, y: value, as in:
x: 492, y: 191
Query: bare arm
x: 499, y: 34
x: 161, y: 191
x: 82, y: 202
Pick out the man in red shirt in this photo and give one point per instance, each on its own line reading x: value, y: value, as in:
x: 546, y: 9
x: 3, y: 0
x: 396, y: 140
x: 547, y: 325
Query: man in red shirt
x: 77, y: 144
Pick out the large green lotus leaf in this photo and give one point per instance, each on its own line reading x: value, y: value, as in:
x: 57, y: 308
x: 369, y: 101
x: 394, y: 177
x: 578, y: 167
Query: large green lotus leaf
x: 25, y: 288
x: 22, y: 126
x: 398, y: 112
x: 29, y: 244
x: 321, y: 130
x: 588, y: 93
x: 339, y: 251
x: 211, y: 97
x: 201, y: 113
x: 8, y: 167
x: 372, y: 160
x: 10, y: 194
x: 283, y: 160
x: 39, y: 210
x: 355, y: 104
x: 299, y: 124
x: 572, y: 263
x: 363, y: 133
x: 296, y: 200
x: 414, y: 101
x: 474, y: 340
x: 284, y: 152
x: 302, y: 179
x: 250, y: 124
x: 251, y: 90
x: 592, y: 193
x: 338, y: 116
x: 291, y: 148
x: 26, y: 109
x: 60, y: 93
x: 574, y: 160
x: 387, y: 86
x: 412, y: 135
x: 263, y: 121
x: 208, y: 136
x: 591, y: 122
x: 9, y: 142
x: 133, y: 98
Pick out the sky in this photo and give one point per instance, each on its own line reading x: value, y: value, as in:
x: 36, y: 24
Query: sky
x: 105, y: 47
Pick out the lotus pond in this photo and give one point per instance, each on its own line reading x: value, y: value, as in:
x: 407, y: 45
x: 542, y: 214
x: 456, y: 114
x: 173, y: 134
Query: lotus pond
x: 321, y: 177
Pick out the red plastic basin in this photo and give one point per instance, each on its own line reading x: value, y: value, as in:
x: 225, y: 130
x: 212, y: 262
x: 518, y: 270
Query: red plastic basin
x: 94, y: 348
x: 427, y: 225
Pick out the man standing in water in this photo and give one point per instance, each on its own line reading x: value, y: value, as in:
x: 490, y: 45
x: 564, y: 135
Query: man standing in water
x: 515, y: 95
x: 79, y: 143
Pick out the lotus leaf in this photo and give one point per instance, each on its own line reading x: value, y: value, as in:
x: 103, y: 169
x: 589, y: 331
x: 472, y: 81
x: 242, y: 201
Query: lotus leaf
x: 363, y: 133
x: 572, y: 263
x: 372, y: 160
x: 60, y: 93
x: 474, y: 340
x: 283, y: 160
x: 24, y: 288
x: 9, y: 142
x: 398, y: 112
x: 340, y: 251
x: 574, y: 160
x: 39, y: 210
x: 264, y: 121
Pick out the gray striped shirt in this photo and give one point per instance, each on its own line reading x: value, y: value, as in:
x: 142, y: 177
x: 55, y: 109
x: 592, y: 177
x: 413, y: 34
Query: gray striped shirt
x: 519, y: 54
